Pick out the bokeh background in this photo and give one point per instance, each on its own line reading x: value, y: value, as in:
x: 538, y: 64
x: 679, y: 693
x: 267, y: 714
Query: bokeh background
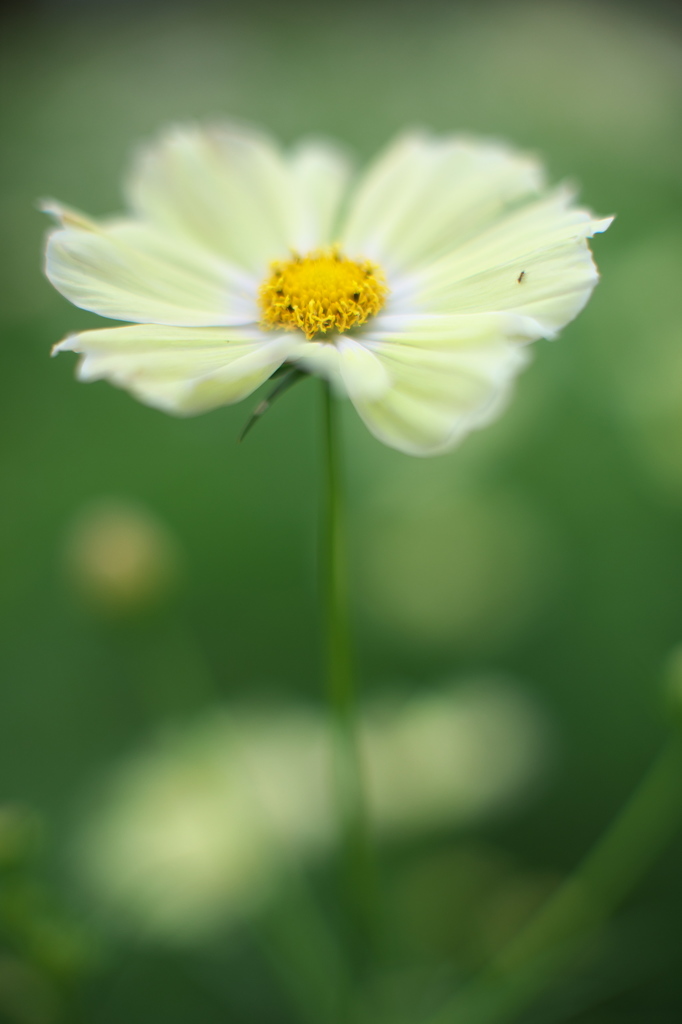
x: 159, y: 623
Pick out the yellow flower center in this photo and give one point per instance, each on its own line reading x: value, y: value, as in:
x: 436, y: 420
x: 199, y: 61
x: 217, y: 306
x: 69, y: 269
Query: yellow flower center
x: 321, y: 292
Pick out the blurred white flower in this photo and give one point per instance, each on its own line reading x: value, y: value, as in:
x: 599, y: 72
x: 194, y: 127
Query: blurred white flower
x: 200, y: 829
x: 413, y: 288
x: 194, y: 832
x: 452, y: 756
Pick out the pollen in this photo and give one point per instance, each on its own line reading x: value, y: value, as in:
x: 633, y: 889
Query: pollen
x: 321, y: 292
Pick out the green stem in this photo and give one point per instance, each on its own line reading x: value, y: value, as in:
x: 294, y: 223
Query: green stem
x: 581, y: 905
x: 348, y: 776
x: 304, y: 952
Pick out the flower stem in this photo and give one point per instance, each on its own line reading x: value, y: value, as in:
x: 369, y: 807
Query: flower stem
x: 580, y: 907
x: 356, y: 861
x: 304, y: 952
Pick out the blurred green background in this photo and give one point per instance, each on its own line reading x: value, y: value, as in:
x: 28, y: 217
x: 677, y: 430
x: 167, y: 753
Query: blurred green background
x: 547, y: 549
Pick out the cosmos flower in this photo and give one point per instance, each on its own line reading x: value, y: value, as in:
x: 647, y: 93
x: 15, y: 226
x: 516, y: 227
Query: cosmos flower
x: 414, y: 288
x: 204, y: 823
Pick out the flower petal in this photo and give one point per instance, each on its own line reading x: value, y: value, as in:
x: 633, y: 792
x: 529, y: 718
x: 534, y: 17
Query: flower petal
x: 320, y: 175
x: 233, y: 191
x: 345, y: 362
x: 424, y: 195
x: 129, y: 270
x: 446, y: 375
x: 535, y: 261
x: 180, y: 370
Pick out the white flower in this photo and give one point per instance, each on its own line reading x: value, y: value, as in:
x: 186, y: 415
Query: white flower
x: 413, y: 288
x: 204, y: 824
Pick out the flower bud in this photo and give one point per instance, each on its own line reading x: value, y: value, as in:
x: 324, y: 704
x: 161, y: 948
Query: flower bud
x: 121, y: 558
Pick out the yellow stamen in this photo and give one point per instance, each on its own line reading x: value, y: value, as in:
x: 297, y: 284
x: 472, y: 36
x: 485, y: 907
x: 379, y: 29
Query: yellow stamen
x: 321, y: 292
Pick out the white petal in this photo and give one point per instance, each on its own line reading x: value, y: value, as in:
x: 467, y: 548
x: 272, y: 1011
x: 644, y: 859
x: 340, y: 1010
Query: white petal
x: 345, y: 362
x: 67, y: 216
x: 129, y: 270
x: 320, y: 174
x: 363, y: 375
x: 235, y: 192
x: 451, y: 331
x: 320, y: 358
x: 447, y: 376
x: 424, y: 195
x: 222, y: 188
x: 180, y: 370
x: 534, y: 261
